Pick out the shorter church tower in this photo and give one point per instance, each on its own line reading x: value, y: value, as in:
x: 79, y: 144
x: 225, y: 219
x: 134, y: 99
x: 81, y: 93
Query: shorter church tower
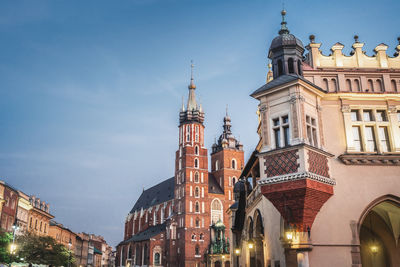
x: 227, y: 160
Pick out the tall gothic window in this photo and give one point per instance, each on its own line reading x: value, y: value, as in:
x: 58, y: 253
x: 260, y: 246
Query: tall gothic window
x: 197, y: 192
x: 197, y: 133
x: 291, y: 65
x: 196, y: 150
x: 197, y: 207
x: 196, y: 163
x: 187, y: 133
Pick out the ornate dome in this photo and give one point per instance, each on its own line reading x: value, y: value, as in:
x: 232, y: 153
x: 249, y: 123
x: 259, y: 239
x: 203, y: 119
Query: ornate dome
x: 285, y: 39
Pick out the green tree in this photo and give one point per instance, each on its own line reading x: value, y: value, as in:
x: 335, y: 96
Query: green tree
x: 43, y: 250
x: 5, y: 242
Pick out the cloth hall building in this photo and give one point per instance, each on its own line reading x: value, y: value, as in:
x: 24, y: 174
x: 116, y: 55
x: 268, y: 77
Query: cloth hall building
x: 181, y: 221
x: 322, y: 187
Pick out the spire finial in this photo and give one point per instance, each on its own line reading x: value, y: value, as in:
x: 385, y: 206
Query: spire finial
x: 226, y: 111
x: 284, y: 29
x: 356, y: 38
x: 191, y: 85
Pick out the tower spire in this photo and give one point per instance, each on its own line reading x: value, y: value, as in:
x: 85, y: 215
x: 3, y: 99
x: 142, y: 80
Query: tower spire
x: 284, y: 29
x: 192, y: 105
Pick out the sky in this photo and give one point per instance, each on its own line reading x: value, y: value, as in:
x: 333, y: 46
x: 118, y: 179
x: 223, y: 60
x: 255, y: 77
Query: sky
x: 90, y: 91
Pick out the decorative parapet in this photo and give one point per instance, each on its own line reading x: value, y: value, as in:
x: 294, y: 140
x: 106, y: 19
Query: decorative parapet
x: 356, y: 59
x: 254, y: 195
x: 297, y: 176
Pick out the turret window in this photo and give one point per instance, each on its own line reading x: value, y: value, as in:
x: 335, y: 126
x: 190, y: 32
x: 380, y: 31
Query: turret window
x: 196, y: 150
x: 197, y: 192
x: 281, y: 131
x: 280, y: 67
x: 311, y: 131
x: 291, y: 65
x: 196, y: 177
x: 216, y: 165
x: 196, y: 163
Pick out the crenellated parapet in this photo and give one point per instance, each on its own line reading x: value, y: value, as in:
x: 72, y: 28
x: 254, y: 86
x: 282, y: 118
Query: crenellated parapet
x: 357, y: 58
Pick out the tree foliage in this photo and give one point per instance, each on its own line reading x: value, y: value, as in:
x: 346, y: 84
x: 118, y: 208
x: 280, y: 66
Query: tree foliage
x: 43, y: 250
x: 5, y: 242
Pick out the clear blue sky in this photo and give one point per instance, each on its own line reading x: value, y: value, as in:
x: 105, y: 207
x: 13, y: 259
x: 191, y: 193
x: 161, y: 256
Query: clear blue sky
x: 90, y: 90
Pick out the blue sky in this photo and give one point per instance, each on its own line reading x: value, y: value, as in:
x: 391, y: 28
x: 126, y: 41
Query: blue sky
x: 90, y: 90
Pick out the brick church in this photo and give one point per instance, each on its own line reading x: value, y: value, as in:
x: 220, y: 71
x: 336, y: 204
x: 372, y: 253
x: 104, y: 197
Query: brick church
x: 181, y: 221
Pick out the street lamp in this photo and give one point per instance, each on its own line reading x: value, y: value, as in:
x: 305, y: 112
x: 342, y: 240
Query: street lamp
x: 69, y: 257
x: 237, y: 253
x: 250, y: 244
x: 13, y: 247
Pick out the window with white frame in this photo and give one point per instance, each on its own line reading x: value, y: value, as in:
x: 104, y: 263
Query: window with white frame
x: 196, y: 163
x: 196, y: 136
x: 280, y: 127
x: 311, y: 125
x: 196, y: 177
x: 196, y: 150
x: 188, y: 133
x: 234, y: 164
x: 197, y: 192
x: 370, y: 130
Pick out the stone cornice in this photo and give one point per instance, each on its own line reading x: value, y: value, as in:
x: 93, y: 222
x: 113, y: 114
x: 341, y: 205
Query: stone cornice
x: 368, y: 159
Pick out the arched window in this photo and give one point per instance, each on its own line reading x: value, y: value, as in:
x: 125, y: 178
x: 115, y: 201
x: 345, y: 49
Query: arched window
x: 155, y: 217
x: 197, y: 192
x: 280, y: 67
x: 357, y: 85
x: 188, y: 133
x: 196, y: 177
x: 326, y: 84
x: 370, y: 86
x: 234, y: 164
x: 196, y: 163
x: 196, y: 150
x: 157, y: 261
x: 348, y: 85
x: 201, y: 236
x: 197, y: 207
x: 233, y: 181
x: 193, y: 236
x: 216, y: 211
x: 197, y: 250
x: 299, y: 67
x: 216, y: 165
x: 197, y: 223
x: 334, y: 85
x: 379, y: 85
x: 291, y: 65
x: 394, y: 86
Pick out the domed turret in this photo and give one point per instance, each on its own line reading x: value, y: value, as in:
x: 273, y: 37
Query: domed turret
x: 286, y: 52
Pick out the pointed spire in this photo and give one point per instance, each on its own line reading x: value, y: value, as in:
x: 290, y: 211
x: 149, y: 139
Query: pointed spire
x: 192, y: 105
x: 183, y: 105
x: 284, y: 29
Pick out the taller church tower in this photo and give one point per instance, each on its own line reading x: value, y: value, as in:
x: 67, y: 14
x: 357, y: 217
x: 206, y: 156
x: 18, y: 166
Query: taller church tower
x: 191, y: 184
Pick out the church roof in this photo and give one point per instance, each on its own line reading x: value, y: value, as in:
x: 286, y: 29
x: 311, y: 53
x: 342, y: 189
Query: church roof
x: 283, y: 79
x: 157, y: 194
x: 147, y: 234
x: 213, y: 185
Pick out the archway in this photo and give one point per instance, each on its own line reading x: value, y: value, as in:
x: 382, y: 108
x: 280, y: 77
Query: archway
x: 217, y: 264
x: 258, y: 239
x: 379, y: 234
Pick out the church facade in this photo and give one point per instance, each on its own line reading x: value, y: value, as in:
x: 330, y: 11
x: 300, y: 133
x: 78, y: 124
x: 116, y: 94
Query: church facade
x: 181, y: 221
x: 322, y: 187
